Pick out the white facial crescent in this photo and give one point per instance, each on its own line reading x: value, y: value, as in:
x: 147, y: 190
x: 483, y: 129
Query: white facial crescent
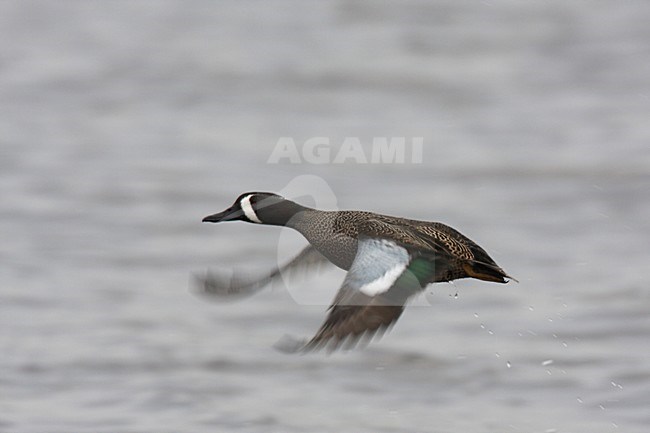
x: 247, y: 207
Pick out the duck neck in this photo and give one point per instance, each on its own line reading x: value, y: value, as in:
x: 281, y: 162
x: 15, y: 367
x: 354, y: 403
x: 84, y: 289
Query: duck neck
x: 287, y: 213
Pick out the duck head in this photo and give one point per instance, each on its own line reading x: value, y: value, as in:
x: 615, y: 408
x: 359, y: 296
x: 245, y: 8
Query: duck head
x: 258, y: 207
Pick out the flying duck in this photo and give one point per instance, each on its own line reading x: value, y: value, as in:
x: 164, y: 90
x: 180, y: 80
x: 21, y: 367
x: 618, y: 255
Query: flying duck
x: 389, y: 259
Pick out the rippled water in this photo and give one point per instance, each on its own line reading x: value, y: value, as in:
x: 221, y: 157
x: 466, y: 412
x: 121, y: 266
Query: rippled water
x: 124, y: 123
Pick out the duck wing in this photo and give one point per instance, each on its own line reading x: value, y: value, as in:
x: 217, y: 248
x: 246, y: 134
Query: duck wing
x: 240, y: 284
x: 383, y: 276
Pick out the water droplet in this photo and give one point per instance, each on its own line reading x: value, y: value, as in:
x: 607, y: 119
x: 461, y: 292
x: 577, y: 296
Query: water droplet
x: 580, y: 400
x: 497, y: 355
x: 601, y: 407
x: 490, y: 332
x: 531, y: 308
x: 564, y: 344
x: 549, y: 372
x: 482, y: 326
x: 508, y: 364
x: 476, y: 315
x: 550, y: 319
x: 547, y: 362
x: 554, y: 335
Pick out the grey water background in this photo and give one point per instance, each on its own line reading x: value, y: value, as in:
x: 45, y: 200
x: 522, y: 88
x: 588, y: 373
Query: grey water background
x: 124, y: 123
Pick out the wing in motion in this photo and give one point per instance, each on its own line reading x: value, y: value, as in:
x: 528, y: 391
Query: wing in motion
x: 382, y: 277
x: 239, y: 285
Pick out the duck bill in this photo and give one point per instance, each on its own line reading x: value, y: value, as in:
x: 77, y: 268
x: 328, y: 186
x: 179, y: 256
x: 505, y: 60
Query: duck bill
x: 229, y: 214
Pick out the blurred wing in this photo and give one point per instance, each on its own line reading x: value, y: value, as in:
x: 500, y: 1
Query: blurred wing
x: 240, y: 285
x: 381, y: 279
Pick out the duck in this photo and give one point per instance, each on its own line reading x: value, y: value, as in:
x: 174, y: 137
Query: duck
x: 388, y: 260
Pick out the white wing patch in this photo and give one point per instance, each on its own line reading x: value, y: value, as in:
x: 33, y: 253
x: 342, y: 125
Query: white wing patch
x: 247, y: 207
x: 385, y: 282
x: 376, y: 268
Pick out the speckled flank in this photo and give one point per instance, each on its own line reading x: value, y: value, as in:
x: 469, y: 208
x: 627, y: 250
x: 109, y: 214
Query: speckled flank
x: 335, y: 235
